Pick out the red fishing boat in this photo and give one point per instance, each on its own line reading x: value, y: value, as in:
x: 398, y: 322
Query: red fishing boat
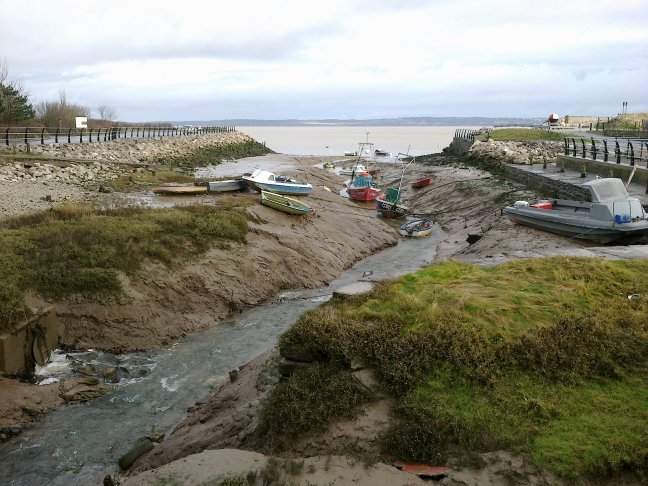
x: 422, y: 182
x: 361, y: 188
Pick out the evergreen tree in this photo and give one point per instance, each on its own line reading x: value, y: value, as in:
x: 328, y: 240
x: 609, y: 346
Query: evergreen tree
x: 14, y: 106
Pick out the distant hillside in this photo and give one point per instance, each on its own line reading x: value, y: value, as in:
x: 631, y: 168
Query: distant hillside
x: 407, y: 121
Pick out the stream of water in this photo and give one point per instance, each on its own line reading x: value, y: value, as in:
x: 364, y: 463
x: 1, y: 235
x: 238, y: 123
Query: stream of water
x: 80, y: 444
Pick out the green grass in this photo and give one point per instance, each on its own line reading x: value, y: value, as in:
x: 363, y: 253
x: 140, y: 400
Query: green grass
x: 523, y: 134
x: 76, y: 250
x: 546, y: 356
x: 303, y: 405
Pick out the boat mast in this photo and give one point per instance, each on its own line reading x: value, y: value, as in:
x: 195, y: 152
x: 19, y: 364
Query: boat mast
x: 403, y: 168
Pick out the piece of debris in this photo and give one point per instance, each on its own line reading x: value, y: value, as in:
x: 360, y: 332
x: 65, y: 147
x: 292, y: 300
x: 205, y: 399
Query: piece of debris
x: 634, y: 296
x: 423, y: 471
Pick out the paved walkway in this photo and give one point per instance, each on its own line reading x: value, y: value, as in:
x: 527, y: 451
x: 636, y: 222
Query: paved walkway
x: 573, y: 177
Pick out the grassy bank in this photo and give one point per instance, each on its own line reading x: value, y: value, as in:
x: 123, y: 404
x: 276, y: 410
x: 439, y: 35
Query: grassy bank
x: 545, y: 356
x: 76, y: 250
x: 524, y: 134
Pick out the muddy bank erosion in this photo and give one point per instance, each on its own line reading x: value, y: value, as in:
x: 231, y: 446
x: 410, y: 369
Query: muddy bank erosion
x: 160, y: 304
x: 467, y: 202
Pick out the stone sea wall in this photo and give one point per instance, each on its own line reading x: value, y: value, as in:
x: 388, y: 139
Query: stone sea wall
x: 73, y: 173
x: 524, y: 152
x: 133, y: 151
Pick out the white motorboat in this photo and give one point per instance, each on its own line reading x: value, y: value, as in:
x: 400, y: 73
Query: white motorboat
x: 262, y: 180
x: 611, y: 215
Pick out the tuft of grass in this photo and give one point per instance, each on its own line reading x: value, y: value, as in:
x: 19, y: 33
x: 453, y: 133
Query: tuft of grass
x: 547, y: 356
x: 77, y: 250
x: 308, y: 402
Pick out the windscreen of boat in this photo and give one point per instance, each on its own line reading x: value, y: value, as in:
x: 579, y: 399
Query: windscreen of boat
x: 605, y: 190
x: 630, y: 209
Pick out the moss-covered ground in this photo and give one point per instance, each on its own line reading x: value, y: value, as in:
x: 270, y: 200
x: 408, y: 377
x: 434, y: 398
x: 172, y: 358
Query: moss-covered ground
x: 546, y: 356
x: 77, y: 250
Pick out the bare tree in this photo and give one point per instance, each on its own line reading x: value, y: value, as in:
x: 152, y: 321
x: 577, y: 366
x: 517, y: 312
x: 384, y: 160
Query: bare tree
x: 107, y: 112
x: 60, y: 113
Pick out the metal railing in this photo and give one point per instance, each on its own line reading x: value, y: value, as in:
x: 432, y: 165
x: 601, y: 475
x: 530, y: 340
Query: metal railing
x: 466, y: 133
x: 45, y: 136
x: 634, y: 151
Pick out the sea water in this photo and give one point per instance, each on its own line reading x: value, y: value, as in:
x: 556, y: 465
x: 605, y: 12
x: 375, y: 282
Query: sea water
x: 335, y: 140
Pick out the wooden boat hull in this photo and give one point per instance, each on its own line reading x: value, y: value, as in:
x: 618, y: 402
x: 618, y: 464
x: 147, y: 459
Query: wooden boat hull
x: 422, y: 182
x: 417, y: 228
x: 180, y: 190
x: 285, y: 204
x: 227, y: 186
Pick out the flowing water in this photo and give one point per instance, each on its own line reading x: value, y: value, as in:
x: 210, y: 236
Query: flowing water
x: 80, y: 444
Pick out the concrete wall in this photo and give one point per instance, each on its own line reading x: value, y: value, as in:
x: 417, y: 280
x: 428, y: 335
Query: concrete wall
x: 30, y: 343
x: 551, y: 187
x: 604, y: 169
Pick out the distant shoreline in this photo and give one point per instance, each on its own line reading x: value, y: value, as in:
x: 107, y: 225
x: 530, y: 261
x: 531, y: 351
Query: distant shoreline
x: 404, y: 122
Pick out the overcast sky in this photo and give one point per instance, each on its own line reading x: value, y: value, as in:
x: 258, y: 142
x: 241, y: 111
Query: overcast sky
x: 278, y: 59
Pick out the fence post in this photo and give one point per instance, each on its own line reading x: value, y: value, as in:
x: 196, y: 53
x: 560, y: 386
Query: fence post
x: 566, y: 144
x: 573, y: 147
x: 617, y: 151
x: 583, y: 145
x: 605, y: 153
x: 26, y: 134
x: 593, y: 149
x: 632, y: 157
x: 69, y: 135
x: 7, y: 136
x: 98, y: 134
x: 43, y: 136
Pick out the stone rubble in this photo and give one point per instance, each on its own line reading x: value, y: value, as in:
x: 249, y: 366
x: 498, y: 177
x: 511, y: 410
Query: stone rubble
x: 79, y: 173
x: 130, y: 150
x: 527, y: 152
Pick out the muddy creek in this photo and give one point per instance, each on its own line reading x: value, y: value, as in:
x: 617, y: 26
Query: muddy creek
x: 80, y: 444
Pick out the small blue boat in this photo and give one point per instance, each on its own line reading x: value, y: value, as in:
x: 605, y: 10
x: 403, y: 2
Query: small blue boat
x: 262, y: 180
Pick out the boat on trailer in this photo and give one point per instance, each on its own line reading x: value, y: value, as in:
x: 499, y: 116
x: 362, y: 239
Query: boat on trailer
x: 611, y: 215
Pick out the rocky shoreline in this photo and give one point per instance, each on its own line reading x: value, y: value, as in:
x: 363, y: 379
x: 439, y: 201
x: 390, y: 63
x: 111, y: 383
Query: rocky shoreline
x: 129, y: 150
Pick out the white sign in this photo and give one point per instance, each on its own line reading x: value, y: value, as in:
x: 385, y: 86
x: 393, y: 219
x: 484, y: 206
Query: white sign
x: 82, y: 122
